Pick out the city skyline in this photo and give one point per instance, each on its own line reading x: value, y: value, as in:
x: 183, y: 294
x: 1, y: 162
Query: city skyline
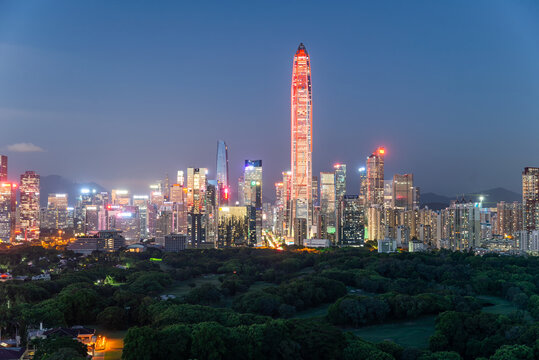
x: 390, y: 89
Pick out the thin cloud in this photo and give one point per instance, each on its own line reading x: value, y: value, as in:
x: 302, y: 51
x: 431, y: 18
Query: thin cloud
x: 24, y: 147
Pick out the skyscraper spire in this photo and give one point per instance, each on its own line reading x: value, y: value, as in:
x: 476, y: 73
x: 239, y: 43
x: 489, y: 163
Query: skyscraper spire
x: 301, y: 146
x: 222, y: 172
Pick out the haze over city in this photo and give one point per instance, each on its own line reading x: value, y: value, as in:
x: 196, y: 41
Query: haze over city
x: 121, y: 95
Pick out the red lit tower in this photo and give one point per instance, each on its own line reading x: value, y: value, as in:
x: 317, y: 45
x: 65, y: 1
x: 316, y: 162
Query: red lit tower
x: 301, y: 146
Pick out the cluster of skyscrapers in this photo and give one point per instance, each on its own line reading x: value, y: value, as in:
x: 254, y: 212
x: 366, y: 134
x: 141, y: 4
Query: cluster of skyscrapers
x: 307, y: 208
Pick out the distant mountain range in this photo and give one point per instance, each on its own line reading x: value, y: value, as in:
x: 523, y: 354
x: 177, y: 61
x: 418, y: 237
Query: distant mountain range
x: 52, y: 184
x: 491, y: 198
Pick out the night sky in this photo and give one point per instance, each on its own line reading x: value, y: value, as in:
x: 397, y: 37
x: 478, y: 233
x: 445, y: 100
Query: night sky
x: 122, y: 92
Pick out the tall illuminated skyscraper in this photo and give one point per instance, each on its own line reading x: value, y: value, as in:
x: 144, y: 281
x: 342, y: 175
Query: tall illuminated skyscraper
x: 340, y: 181
x: 180, y: 178
x: 196, y: 204
x: 375, y: 178
x: 530, y: 198
x: 252, y: 189
x: 8, y: 194
x: 327, y: 205
x: 222, y: 172
x: 120, y: 197
x: 56, y: 213
x: 301, y: 145
x: 29, y: 207
x: 3, y: 168
x: 196, y: 189
x: 403, y: 192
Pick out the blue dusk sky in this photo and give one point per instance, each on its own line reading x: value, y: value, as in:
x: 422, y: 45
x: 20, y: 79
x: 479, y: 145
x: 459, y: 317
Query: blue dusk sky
x: 122, y: 92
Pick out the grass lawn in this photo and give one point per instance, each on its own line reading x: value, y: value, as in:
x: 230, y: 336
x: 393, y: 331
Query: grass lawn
x: 113, y: 355
x: 412, y: 333
x: 499, y: 305
x: 319, y: 311
x: 259, y: 285
x: 181, y: 288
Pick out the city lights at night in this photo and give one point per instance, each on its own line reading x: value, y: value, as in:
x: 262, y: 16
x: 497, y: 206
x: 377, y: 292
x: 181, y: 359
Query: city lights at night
x: 269, y: 180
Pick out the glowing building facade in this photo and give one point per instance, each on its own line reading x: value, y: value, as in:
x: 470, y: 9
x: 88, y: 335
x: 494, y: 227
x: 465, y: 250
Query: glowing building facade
x: 120, y: 197
x: 29, y: 206
x: 8, y: 193
x: 403, y: 192
x: 56, y: 215
x: 301, y: 145
x: 252, y: 189
x: 530, y: 198
x: 327, y: 206
x: 340, y: 181
x: 375, y: 178
x: 196, y: 204
x: 3, y: 168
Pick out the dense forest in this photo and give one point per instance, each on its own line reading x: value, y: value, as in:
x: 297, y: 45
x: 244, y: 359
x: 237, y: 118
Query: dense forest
x: 249, y: 303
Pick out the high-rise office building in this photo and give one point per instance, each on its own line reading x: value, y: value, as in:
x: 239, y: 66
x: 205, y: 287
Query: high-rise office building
x: 180, y: 178
x: 29, y: 205
x: 375, y: 178
x: 252, y: 190
x: 8, y: 203
x: 56, y: 216
x: 530, y: 198
x: 211, y: 213
x: 315, y: 192
x: 3, y: 168
x: 403, y: 192
x: 166, y: 187
x: 351, y: 221
x: 196, y: 205
x: 508, y: 218
x: 301, y: 145
x: 340, y: 180
x: 462, y: 225
x: 362, y: 181
x: 222, y: 172
x: 328, y: 208
x: 241, y: 191
x: 196, y: 189
x: 279, y: 209
x: 252, y: 178
x: 127, y: 220
x: 120, y: 197
x: 141, y: 201
x: 233, y: 226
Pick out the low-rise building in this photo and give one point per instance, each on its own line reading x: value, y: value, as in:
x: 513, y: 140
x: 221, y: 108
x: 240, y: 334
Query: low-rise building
x: 106, y: 240
x: 175, y: 242
x: 387, y: 245
x: 317, y: 243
